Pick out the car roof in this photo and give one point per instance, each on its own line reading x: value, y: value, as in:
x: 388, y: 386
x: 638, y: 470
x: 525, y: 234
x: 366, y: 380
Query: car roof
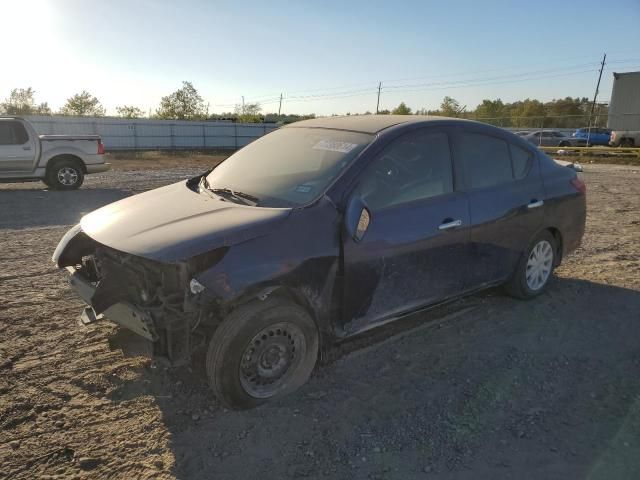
x: 369, y: 123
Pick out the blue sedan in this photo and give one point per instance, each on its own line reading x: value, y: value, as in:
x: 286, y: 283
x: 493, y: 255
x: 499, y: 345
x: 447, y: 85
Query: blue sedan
x: 597, y: 136
x: 320, y: 231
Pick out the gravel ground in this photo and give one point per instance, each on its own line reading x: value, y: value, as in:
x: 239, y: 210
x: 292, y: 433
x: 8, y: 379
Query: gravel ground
x: 489, y: 387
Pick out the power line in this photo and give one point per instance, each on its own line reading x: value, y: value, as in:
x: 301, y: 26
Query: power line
x: 408, y: 88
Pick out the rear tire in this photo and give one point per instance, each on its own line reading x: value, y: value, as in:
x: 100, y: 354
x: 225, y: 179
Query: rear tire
x: 65, y: 174
x: 261, y: 351
x: 564, y: 144
x: 627, y: 143
x: 535, y: 267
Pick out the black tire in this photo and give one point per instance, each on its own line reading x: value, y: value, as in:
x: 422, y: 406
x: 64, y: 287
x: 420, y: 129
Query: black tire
x: 564, y: 144
x: 627, y: 143
x: 275, y: 328
x: 65, y: 174
x: 519, y: 286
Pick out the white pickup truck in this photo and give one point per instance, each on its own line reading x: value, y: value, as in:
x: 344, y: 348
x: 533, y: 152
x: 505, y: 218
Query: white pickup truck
x: 60, y: 161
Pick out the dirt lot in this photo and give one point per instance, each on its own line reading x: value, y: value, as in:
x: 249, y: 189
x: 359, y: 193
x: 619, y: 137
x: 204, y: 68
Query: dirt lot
x: 489, y: 387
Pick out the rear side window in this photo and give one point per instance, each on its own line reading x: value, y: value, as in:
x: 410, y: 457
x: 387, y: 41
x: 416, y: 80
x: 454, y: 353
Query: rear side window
x: 485, y: 160
x: 12, y: 133
x: 520, y: 159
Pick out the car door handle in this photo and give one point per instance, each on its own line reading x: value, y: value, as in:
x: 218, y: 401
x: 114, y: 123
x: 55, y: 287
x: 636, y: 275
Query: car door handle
x: 451, y: 224
x: 535, y: 203
x: 26, y: 148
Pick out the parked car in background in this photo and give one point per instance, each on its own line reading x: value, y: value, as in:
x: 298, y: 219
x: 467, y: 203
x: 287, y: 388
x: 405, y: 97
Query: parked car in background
x: 317, y: 232
x: 554, y: 138
x: 60, y: 161
x: 597, y: 135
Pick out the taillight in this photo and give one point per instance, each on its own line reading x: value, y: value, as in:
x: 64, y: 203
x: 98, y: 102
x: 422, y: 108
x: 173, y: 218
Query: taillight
x: 579, y: 185
x: 100, y: 147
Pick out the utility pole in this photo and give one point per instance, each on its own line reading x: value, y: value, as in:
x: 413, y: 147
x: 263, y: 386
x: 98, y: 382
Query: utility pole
x: 243, y: 104
x: 280, y: 105
x: 378, y: 104
x: 595, y: 96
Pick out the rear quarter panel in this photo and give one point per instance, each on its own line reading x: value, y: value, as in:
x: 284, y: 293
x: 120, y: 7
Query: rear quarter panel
x: 565, y: 207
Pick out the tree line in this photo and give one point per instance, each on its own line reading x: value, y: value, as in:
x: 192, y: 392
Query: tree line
x: 186, y: 103
x: 566, y: 112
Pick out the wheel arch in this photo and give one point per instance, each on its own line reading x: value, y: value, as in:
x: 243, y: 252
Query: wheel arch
x: 286, y: 293
x: 557, y: 235
x: 66, y: 156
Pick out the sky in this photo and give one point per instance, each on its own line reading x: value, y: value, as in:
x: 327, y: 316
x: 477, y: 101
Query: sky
x: 325, y: 57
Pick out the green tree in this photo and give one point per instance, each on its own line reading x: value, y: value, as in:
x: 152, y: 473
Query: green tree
x: 450, y: 107
x: 248, y: 113
x: 492, y: 111
x: 83, y: 104
x: 21, y: 102
x: 183, y: 104
x: 568, y: 112
x: 129, y: 111
x: 401, y: 109
x: 528, y: 113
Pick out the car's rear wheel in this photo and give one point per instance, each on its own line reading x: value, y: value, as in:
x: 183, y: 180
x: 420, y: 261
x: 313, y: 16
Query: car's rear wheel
x: 65, y: 174
x: 627, y: 142
x: 534, y: 268
x: 565, y: 144
x: 262, y: 350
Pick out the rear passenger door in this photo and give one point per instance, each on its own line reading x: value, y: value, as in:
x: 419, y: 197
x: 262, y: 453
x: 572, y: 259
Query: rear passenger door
x: 506, y: 199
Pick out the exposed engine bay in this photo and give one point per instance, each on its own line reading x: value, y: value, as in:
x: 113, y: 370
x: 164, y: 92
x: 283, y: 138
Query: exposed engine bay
x: 155, y: 300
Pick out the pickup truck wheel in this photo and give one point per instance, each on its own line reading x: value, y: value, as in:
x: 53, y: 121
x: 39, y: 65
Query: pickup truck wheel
x: 65, y: 174
x: 262, y: 350
x: 534, y: 268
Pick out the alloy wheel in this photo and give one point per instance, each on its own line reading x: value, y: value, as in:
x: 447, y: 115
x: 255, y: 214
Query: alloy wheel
x: 539, y: 265
x: 68, y: 176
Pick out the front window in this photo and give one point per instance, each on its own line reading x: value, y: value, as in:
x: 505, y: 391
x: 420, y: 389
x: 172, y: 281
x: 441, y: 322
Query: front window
x: 287, y: 168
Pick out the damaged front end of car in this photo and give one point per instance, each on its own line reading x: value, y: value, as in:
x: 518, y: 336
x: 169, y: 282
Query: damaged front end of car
x: 161, y: 302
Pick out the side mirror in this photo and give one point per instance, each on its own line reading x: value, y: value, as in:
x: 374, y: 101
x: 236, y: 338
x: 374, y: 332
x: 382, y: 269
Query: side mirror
x: 357, y: 218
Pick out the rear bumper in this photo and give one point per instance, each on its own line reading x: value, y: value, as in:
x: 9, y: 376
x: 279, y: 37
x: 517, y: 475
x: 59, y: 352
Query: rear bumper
x: 123, y: 314
x: 98, y: 167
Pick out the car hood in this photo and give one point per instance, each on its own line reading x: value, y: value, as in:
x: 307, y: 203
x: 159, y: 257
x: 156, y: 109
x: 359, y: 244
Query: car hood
x: 175, y: 223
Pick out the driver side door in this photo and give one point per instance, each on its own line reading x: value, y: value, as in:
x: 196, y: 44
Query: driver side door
x: 409, y: 245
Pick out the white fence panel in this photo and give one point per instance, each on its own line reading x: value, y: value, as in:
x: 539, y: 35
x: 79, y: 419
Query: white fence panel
x: 139, y: 134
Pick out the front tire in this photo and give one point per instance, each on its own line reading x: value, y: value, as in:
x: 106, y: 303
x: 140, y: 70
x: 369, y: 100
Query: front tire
x: 262, y: 350
x: 534, y: 268
x: 65, y: 174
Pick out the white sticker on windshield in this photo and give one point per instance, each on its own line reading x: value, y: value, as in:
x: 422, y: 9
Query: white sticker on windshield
x: 332, y: 146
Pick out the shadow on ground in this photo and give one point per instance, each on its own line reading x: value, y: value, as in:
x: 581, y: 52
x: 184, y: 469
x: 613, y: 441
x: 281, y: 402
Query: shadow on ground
x: 39, y: 207
x: 548, y: 388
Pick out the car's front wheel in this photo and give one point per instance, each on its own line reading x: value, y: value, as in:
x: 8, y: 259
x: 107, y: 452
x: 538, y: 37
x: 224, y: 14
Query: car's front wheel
x: 534, y: 268
x: 262, y: 350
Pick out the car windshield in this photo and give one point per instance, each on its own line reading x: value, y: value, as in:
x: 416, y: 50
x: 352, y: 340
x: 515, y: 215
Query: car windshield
x: 287, y: 168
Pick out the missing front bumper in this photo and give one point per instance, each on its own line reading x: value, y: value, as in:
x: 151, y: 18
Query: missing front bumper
x: 122, y: 313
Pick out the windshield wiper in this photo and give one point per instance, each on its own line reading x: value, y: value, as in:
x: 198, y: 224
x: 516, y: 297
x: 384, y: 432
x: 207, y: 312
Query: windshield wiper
x: 242, y: 197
